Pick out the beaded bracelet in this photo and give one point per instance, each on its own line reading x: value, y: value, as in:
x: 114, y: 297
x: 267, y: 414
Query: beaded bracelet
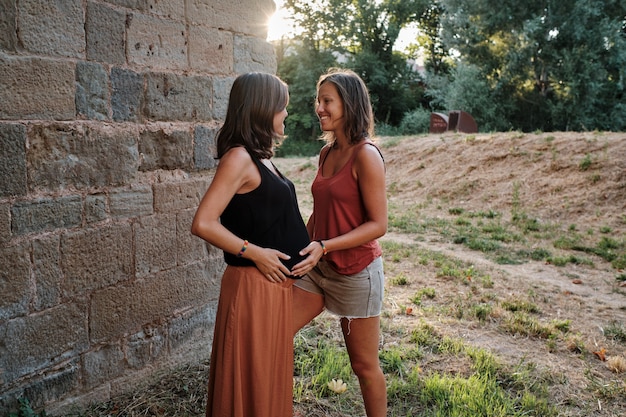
x: 243, y: 248
x: 324, y: 250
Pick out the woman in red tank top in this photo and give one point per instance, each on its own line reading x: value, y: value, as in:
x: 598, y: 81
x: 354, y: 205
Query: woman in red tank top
x: 349, y: 214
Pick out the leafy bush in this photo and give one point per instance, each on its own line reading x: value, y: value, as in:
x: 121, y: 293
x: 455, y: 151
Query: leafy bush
x: 415, y: 122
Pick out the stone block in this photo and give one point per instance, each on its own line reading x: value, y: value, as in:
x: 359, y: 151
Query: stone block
x: 14, y: 282
x: 248, y: 17
x: 155, y: 243
x: 221, y: 93
x: 165, y: 148
x: 92, y: 91
x: 254, y: 54
x: 102, y: 365
x: 12, y: 160
x: 193, y: 328
x: 35, y: 88
x: 172, y: 9
x: 47, y: 271
x: 81, y: 156
x: 63, y: 329
x: 172, y: 197
x: 119, y: 310
x: 204, y: 147
x: 54, y: 385
x: 96, y: 258
x: 5, y: 223
x: 146, y: 346
x: 156, y: 43
x: 105, y: 29
x: 95, y: 208
x: 134, y: 202
x: 190, y: 247
x: 52, y: 27
x: 126, y: 95
x: 211, y: 50
x: 8, y: 25
x: 46, y: 214
x: 171, y: 97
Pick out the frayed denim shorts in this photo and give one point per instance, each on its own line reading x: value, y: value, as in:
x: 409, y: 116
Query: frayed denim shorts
x: 351, y: 296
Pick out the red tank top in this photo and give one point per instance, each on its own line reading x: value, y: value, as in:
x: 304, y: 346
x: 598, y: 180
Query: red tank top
x: 337, y: 209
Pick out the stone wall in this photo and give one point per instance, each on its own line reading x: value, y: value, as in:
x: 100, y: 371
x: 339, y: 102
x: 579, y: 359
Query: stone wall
x: 108, y: 116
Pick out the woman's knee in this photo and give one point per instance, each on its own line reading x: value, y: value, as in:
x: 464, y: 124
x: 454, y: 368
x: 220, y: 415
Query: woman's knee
x: 366, y: 369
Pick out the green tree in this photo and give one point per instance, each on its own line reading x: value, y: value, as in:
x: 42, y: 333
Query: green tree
x: 300, y: 68
x: 362, y: 33
x: 549, y: 64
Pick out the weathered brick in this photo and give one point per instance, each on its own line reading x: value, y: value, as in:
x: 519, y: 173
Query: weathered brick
x: 35, y: 88
x: 92, y: 91
x: 95, y: 208
x: 221, y: 93
x: 205, y: 150
x: 174, y: 196
x: 54, y: 385
x: 96, y: 258
x: 5, y: 223
x: 105, y: 28
x: 64, y: 330
x: 14, y: 281
x: 12, y: 160
x: 156, y: 43
x: 193, y: 329
x: 173, y: 9
x: 81, y: 156
x: 145, y: 347
x: 8, y: 27
x: 155, y: 243
x: 140, y: 5
x: 190, y: 248
x: 134, y: 202
x: 118, y: 310
x: 46, y: 214
x: 211, y: 50
x: 102, y: 365
x: 249, y: 17
x: 254, y: 54
x: 127, y: 95
x: 47, y: 271
x: 52, y: 27
x: 172, y: 97
x: 164, y: 148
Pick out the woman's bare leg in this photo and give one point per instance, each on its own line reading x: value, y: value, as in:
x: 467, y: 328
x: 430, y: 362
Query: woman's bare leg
x: 306, y: 306
x: 362, y: 337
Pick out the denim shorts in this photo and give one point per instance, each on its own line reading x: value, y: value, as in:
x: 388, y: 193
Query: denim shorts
x: 350, y: 296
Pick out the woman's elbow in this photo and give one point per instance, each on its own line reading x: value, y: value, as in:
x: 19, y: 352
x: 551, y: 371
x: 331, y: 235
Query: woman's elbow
x: 381, y: 228
x: 195, y: 227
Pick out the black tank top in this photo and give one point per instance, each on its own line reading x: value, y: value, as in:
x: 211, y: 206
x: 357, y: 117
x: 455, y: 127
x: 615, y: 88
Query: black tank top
x: 267, y: 216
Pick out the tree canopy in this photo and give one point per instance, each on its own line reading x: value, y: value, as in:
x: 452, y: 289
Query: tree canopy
x: 535, y: 65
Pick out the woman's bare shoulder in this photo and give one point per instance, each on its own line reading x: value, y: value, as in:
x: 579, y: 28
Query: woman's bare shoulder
x: 236, y: 155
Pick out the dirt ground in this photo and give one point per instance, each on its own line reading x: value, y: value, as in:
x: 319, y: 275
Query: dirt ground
x: 569, y: 180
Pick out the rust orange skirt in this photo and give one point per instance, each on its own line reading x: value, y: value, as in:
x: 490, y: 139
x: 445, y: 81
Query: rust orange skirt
x: 251, y: 370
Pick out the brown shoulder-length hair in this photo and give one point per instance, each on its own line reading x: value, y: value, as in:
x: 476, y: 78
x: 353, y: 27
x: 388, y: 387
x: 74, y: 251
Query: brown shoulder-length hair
x: 357, y: 107
x: 254, y: 100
